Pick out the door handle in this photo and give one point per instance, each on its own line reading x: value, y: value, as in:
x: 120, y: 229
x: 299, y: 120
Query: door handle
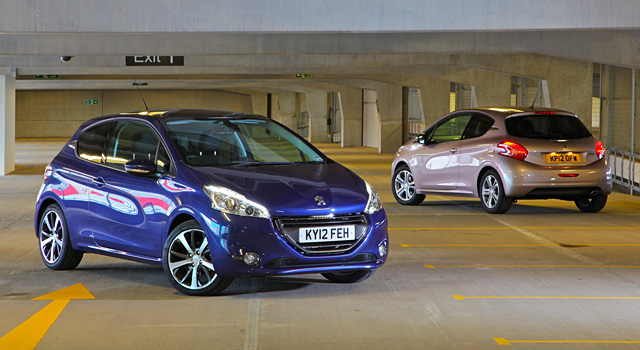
x: 453, y: 150
x: 98, y: 181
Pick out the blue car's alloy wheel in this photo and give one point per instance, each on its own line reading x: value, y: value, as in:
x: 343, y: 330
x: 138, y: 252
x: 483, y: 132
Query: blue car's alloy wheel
x: 187, y: 261
x: 55, y: 246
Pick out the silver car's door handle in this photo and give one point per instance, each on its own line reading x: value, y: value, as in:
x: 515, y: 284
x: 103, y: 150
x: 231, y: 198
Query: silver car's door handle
x: 453, y: 150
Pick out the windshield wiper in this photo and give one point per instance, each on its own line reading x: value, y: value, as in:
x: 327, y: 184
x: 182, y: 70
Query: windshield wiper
x: 260, y: 162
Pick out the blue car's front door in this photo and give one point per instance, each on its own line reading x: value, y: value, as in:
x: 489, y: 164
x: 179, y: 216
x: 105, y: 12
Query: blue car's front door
x: 128, y: 212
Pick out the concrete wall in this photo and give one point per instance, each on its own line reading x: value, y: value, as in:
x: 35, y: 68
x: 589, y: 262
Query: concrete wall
x: 58, y: 113
x: 492, y: 89
x: 621, y: 108
x: 571, y: 87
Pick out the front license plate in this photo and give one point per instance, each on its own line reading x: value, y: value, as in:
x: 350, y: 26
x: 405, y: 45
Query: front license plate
x: 563, y: 158
x: 327, y: 234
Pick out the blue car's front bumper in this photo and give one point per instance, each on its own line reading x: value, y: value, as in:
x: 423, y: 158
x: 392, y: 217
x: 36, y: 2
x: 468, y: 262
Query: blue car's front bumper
x: 231, y: 237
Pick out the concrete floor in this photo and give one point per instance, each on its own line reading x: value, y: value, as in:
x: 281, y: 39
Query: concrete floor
x: 543, y: 276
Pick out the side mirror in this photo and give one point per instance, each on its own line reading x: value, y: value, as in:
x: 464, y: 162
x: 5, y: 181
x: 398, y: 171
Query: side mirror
x: 140, y: 167
x: 420, y: 139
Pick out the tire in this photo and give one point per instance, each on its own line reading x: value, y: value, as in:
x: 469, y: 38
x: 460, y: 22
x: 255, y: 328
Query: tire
x: 591, y: 205
x: 492, y: 195
x: 349, y: 276
x: 403, y: 187
x: 186, y: 250
x: 55, y: 246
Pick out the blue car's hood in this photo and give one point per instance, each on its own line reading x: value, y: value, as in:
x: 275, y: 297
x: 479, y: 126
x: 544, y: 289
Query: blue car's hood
x: 292, y: 189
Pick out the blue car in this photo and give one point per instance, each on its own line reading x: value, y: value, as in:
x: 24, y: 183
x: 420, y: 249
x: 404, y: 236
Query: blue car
x: 209, y: 195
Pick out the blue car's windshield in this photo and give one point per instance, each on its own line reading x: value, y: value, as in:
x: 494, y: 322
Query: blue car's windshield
x: 217, y: 142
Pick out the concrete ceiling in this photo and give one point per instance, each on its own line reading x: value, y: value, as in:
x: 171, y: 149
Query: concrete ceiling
x: 249, y: 44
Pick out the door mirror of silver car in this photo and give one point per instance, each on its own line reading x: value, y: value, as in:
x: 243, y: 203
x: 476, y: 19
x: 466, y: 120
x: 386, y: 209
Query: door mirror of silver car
x: 140, y: 167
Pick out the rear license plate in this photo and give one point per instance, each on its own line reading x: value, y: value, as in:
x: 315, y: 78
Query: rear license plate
x: 563, y: 158
x: 327, y: 234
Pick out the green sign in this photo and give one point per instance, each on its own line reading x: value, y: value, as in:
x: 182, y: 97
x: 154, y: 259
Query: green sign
x: 303, y: 76
x: 47, y: 76
x: 91, y: 102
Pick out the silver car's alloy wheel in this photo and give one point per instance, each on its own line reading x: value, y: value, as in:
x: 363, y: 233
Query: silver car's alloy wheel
x: 190, y: 260
x: 51, y: 237
x: 490, y: 191
x: 404, y: 185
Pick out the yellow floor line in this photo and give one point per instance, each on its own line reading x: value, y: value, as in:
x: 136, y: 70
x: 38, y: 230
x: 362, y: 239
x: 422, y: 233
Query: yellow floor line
x: 503, y: 341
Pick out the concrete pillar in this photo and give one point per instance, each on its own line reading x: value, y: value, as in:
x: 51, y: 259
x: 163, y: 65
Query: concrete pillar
x: 317, y: 105
x: 287, y: 107
x: 351, y: 103
x: 258, y: 102
x: 7, y: 124
x: 371, y: 123
x: 390, y: 109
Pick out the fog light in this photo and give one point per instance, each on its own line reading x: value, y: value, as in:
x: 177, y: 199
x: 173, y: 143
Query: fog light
x: 382, y: 249
x: 251, y: 258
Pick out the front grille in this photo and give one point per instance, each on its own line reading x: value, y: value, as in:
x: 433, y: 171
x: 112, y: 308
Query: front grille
x: 293, y: 262
x: 289, y: 227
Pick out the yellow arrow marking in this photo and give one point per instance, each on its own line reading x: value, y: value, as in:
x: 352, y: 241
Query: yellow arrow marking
x: 27, y: 335
x: 502, y: 341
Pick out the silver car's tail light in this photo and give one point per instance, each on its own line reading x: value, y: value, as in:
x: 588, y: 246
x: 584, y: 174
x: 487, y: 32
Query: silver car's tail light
x: 599, y: 150
x: 513, y: 150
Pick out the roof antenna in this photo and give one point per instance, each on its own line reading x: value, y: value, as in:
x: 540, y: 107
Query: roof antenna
x: 138, y: 86
x: 537, y: 94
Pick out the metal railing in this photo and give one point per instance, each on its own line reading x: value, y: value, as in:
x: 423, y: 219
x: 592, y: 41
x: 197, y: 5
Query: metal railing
x: 624, y: 169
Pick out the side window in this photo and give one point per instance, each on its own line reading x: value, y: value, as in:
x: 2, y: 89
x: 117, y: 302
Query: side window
x: 131, y: 140
x: 163, y: 162
x: 91, y: 142
x: 451, y: 129
x: 478, y: 125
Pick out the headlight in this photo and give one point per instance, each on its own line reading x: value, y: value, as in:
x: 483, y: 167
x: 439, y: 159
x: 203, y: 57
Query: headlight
x: 374, y: 204
x: 232, y: 202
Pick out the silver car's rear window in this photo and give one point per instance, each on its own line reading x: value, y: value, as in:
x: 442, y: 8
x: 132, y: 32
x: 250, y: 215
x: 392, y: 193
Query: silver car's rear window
x: 547, y: 126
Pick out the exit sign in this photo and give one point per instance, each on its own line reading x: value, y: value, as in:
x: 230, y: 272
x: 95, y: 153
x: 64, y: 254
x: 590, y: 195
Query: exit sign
x: 91, y: 102
x: 154, y: 60
x: 47, y: 76
x: 303, y: 76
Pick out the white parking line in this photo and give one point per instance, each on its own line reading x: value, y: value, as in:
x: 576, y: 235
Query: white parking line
x: 253, y: 319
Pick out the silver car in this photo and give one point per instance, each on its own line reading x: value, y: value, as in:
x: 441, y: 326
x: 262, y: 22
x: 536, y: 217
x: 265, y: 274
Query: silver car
x: 504, y: 154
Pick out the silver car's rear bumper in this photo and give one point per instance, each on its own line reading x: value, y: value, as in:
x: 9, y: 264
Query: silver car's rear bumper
x: 526, y: 180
